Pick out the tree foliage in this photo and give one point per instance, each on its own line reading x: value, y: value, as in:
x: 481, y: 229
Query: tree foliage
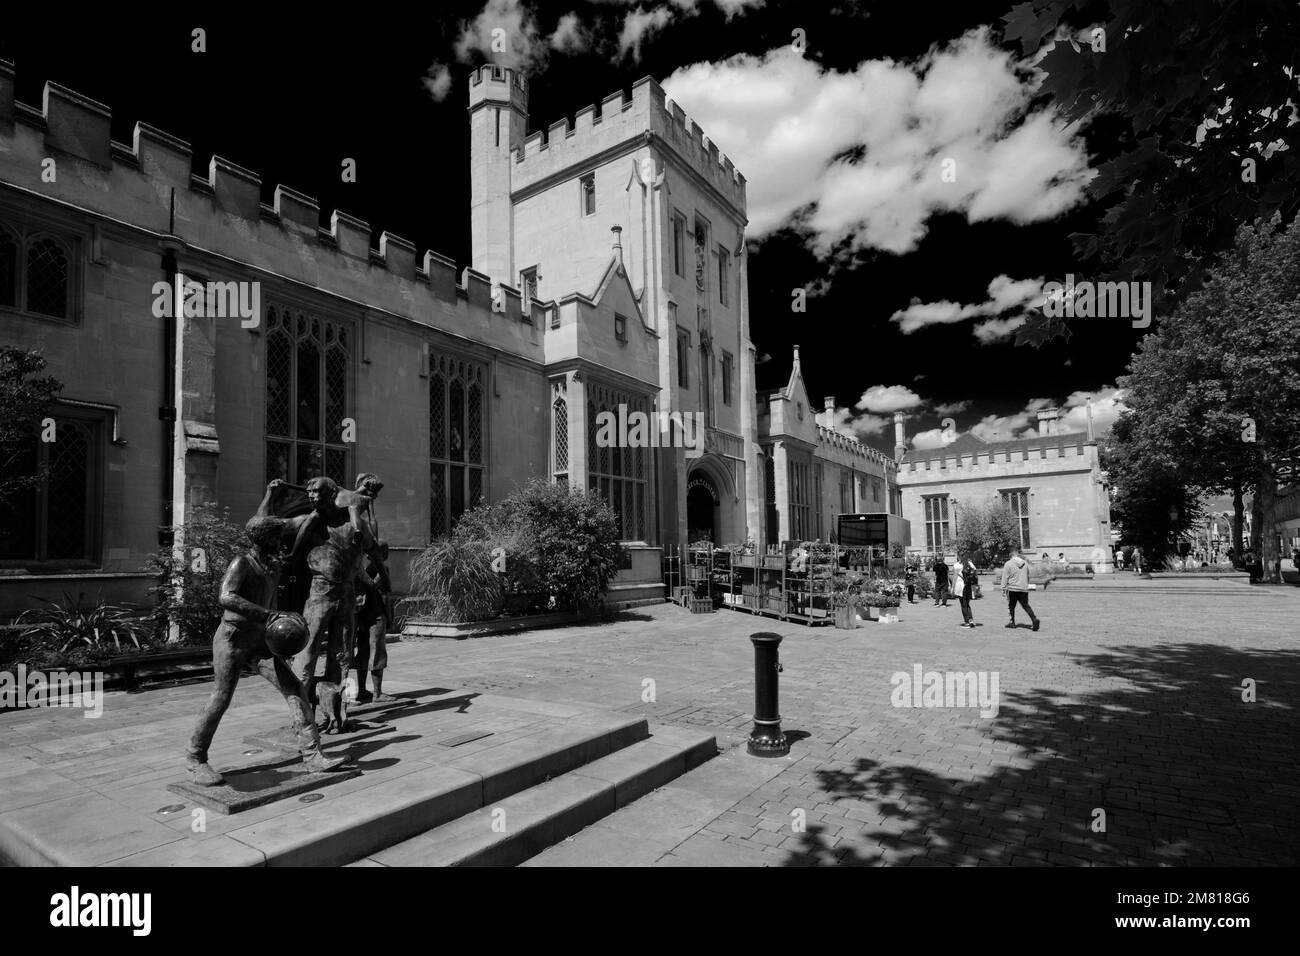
x: 1211, y: 394
x: 188, y: 592
x: 24, y: 396
x: 1196, y: 88
x: 986, y: 533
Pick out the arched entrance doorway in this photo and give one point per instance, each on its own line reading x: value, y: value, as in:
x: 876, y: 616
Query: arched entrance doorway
x: 702, y: 503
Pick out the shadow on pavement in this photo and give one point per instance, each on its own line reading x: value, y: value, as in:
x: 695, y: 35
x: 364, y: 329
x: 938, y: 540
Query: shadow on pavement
x: 1186, y: 772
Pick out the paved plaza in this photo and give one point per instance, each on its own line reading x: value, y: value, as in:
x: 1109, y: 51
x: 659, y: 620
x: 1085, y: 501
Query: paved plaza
x: 1127, y: 703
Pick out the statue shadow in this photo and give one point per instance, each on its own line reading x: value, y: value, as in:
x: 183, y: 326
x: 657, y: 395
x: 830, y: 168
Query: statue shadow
x: 460, y: 703
x: 1156, y: 760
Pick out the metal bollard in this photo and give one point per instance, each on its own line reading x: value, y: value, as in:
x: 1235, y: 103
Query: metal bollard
x: 766, y: 739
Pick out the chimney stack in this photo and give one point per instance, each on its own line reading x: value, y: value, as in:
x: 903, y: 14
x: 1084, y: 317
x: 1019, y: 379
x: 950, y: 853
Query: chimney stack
x: 900, y: 438
x: 618, y: 241
x: 1047, y: 422
x: 826, y: 417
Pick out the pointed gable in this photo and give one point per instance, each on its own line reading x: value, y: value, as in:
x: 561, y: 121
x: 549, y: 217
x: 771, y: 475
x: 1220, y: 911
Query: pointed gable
x: 615, y: 292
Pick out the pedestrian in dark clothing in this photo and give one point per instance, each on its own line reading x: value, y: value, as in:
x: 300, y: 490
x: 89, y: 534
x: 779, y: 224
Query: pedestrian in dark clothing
x: 940, y: 570
x: 910, y: 576
x: 967, y: 585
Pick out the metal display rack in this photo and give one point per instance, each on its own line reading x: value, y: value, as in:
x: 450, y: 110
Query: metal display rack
x: 770, y: 584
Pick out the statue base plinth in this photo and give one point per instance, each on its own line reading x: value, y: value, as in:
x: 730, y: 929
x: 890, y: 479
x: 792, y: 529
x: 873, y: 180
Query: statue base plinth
x: 260, y: 784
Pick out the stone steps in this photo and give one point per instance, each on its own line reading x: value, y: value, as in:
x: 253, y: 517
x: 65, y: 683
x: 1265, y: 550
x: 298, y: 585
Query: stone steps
x: 352, y: 824
x: 507, y: 830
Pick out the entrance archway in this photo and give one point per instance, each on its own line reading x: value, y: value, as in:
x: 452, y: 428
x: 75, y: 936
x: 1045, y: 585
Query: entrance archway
x: 702, y: 505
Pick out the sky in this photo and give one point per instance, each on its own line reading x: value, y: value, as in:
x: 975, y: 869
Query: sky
x: 903, y: 169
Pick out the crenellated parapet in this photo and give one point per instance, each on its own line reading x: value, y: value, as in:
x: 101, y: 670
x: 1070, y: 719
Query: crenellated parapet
x: 150, y: 185
x: 1024, y: 456
x: 616, y: 120
x: 828, y: 438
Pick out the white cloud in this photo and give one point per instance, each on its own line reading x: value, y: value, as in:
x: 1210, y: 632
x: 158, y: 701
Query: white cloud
x: 860, y: 426
x: 855, y: 159
x: 734, y: 8
x: 437, y: 81
x: 932, y: 438
x: 996, y: 330
x: 640, y: 25
x: 1107, y: 402
x: 504, y: 32
x: 1004, y: 295
x: 569, y: 36
x: 888, y: 399
x: 953, y: 408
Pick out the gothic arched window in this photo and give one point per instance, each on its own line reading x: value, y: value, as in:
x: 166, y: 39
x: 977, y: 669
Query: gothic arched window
x: 38, y: 271
x: 560, y: 429
x: 48, y: 264
x: 9, y: 244
x: 308, y: 368
x: 457, y: 439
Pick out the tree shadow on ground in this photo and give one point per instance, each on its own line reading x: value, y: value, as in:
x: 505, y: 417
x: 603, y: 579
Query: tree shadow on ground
x: 1186, y: 772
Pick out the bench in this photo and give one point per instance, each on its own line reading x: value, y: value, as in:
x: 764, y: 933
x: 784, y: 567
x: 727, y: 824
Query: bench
x: 182, y: 655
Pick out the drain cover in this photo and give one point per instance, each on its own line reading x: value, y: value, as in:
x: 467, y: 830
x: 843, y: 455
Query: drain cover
x: 311, y: 797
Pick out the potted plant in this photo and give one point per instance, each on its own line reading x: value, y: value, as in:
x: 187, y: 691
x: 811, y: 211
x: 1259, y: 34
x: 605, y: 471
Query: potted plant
x: 844, y: 602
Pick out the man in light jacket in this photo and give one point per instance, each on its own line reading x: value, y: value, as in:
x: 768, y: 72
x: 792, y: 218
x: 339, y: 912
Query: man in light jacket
x: 1015, y: 583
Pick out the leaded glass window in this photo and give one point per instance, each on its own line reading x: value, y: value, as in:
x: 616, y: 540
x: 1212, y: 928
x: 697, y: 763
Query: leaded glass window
x: 457, y: 438
x: 37, y: 271
x: 57, y: 518
x: 9, y: 246
x: 937, y: 529
x: 308, y: 394
x: 560, y: 429
x: 619, y: 471
x: 1017, y: 503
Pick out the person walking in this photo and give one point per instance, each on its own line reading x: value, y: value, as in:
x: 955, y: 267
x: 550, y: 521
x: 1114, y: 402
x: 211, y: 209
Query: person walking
x: 1015, y: 584
x: 910, y: 576
x: 1137, y: 560
x: 940, y: 570
x: 1119, y: 558
x: 967, y: 585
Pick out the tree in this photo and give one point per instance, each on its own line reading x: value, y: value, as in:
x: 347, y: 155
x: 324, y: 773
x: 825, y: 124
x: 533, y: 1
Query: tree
x: 24, y: 397
x: 987, y: 532
x: 1202, y: 97
x: 1211, y: 392
x: 1153, y: 501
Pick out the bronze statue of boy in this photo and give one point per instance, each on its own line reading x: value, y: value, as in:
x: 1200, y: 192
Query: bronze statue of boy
x: 247, y: 592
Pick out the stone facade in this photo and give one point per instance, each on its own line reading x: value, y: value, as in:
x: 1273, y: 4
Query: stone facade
x: 1054, y: 480
x: 629, y: 195
x: 813, y: 472
x: 450, y: 386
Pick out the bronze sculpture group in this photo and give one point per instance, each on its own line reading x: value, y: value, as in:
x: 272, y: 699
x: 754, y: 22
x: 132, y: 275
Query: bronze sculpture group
x: 315, y: 565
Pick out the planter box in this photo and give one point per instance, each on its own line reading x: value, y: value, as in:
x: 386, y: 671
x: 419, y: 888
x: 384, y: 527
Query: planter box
x: 746, y: 561
x: 776, y: 605
x: 417, y: 628
x: 699, y: 606
x: 846, y: 617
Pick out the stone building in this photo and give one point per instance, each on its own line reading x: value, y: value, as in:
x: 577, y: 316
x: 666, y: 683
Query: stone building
x: 629, y: 220
x: 812, y: 472
x: 608, y: 270
x: 1051, y: 482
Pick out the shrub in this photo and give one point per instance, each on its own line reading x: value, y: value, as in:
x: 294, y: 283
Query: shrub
x: 559, y: 543
x: 211, y: 542
x: 73, y: 632
x: 559, y: 547
x: 454, y: 581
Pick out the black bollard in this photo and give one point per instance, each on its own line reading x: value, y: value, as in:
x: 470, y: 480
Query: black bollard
x: 766, y: 739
